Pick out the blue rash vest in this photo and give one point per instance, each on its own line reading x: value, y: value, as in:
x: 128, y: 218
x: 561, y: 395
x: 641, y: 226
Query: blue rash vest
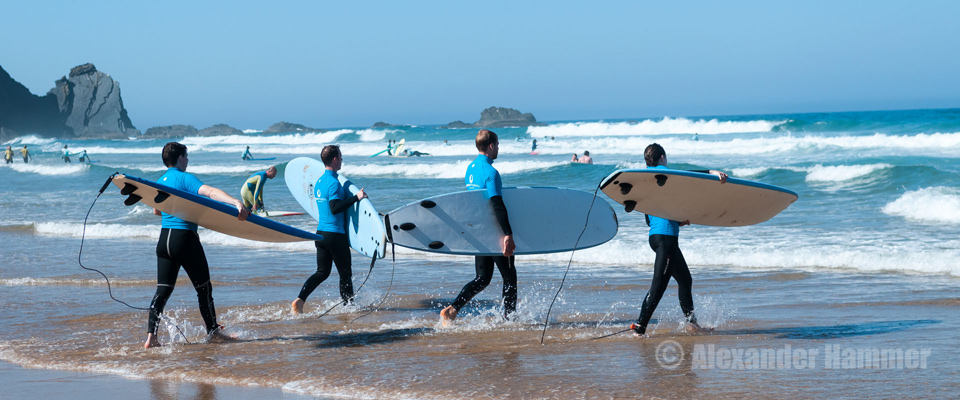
x: 328, y: 188
x: 481, y: 175
x: 662, y: 226
x: 178, y: 179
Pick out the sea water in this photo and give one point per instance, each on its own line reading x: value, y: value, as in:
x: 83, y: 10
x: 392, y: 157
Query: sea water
x: 865, y: 259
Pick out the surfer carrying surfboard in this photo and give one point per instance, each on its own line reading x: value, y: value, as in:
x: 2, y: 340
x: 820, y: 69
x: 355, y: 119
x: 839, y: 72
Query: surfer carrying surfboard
x: 481, y: 175
x: 179, y: 246
x: 664, y: 235
x: 333, y: 200
x: 252, y: 190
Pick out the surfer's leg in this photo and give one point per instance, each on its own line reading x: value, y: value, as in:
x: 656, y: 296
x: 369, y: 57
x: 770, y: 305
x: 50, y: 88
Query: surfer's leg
x: 508, y: 272
x: 681, y: 273
x: 194, y: 262
x: 324, y: 265
x: 167, y: 271
x: 341, y: 258
x: 484, y: 268
x: 658, y: 285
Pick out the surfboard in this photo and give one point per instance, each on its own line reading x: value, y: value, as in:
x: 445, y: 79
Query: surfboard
x: 261, y: 159
x: 364, y: 226
x: 685, y: 195
x: 543, y: 219
x: 275, y: 214
x: 206, y: 212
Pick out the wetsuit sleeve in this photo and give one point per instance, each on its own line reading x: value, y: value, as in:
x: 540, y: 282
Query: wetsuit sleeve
x: 258, y: 193
x: 338, y: 206
x: 500, y: 211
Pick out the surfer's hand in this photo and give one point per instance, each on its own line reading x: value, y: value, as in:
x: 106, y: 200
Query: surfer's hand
x: 361, y: 194
x: 508, y: 246
x: 244, y: 212
x: 721, y: 175
x: 685, y: 222
x: 156, y: 212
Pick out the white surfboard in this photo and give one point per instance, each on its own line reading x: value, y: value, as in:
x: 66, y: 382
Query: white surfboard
x: 700, y: 198
x: 544, y: 220
x: 364, y: 226
x: 206, y: 212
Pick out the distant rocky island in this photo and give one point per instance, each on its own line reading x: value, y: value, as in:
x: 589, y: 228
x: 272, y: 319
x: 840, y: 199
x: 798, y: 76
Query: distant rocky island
x: 86, y: 104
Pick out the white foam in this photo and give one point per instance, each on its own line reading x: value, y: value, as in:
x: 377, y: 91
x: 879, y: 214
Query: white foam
x: 933, y: 205
x: 30, y: 139
x: 648, y: 127
x: 453, y: 170
x: 151, y: 232
x: 47, y: 169
x: 839, y: 173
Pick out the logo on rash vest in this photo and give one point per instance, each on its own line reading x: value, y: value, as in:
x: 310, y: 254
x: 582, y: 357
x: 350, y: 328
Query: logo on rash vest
x: 471, y: 178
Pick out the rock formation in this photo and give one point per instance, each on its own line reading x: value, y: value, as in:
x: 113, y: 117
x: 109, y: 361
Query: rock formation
x: 287, y: 127
x: 170, y: 132
x: 497, y: 117
x: 85, y: 105
x: 220, y: 130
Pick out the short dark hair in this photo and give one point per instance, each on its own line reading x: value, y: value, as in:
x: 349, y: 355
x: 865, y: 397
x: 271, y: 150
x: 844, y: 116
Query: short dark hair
x: 485, y: 138
x: 652, y: 154
x: 172, y: 152
x: 328, y: 153
x: 586, y: 153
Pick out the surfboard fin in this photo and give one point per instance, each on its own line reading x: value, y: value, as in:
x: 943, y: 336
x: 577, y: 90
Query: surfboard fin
x: 161, y: 196
x: 408, y: 226
x: 629, y: 205
x: 127, y: 189
x: 428, y: 204
x: 435, y: 245
x: 625, y: 188
x: 131, y: 200
x: 661, y: 179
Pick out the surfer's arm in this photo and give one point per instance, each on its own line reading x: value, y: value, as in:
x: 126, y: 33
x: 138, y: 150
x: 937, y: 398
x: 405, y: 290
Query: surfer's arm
x: 338, y: 206
x: 500, y: 211
x: 719, y: 174
x: 223, y: 197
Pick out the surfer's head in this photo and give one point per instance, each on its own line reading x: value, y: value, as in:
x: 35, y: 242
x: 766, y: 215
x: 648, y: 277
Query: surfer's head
x: 486, y: 138
x: 172, y: 152
x: 653, y: 154
x: 271, y: 172
x: 330, y: 154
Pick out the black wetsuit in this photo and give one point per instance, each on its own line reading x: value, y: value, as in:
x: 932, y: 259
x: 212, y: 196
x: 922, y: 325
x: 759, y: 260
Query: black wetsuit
x: 669, y: 263
x: 484, y: 268
x: 181, y: 248
x: 333, y: 249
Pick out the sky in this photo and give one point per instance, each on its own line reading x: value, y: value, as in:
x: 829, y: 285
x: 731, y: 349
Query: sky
x: 329, y: 64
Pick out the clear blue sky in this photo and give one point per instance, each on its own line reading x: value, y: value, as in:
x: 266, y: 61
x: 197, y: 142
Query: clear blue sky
x: 353, y: 63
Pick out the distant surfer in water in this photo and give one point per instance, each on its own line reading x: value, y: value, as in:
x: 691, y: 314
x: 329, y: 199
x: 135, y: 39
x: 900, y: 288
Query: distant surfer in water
x: 246, y: 154
x: 333, y: 200
x: 252, y: 190
x: 574, y: 158
x: 26, y: 154
x: 586, y: 158
x: 66, y: 154
x: 8, y: 155
x: 481, y: 175
x: 664, y: 235
x: 533, y: 147
x: 179, y: 246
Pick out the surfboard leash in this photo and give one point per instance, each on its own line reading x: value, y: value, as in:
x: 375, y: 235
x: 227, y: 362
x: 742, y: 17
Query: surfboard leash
x: 373, y: 260
x: 83, y: 236
x: 393, y: 271
x: 546, y: 320
x: 632, y: 327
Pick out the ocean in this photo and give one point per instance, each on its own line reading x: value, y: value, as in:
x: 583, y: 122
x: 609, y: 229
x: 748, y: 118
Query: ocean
x: 850, y: 292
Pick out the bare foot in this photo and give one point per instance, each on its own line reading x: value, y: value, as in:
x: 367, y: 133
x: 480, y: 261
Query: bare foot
x: 297, y: 306
x: 152, y: 341
x: 692, y: 328
x: 217, y: 335
x: 448, y: 314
